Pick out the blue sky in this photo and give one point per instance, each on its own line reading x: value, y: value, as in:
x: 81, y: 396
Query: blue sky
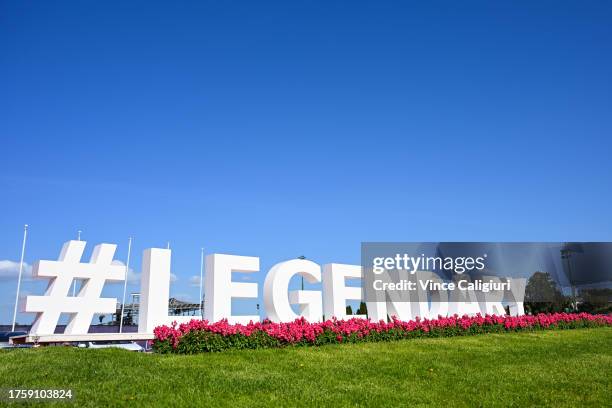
x: 280, y: 129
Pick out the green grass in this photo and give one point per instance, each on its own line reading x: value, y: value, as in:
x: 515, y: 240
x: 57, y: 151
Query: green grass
x: 546, y: 368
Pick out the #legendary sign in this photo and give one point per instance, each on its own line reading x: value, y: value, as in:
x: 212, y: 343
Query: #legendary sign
x: 406, y: 280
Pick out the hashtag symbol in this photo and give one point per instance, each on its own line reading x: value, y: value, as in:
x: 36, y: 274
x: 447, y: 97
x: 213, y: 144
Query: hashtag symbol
x: 61, y: 273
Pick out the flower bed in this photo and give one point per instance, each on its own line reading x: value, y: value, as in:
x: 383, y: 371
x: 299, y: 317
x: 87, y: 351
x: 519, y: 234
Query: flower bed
x: 199, y: 336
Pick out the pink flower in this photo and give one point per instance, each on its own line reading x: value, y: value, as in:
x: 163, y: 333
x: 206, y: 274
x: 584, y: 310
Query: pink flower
x: 300, y: 331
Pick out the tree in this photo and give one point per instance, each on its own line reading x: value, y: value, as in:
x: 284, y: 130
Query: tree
x: 363, y: 309
x: 101, y: 318
x: 595, y: 300
x: 543, y: 296
x: 349, y: 310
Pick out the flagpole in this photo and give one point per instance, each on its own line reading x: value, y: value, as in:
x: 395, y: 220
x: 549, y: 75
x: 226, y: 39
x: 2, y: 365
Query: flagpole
x: 127, y: 268
x: 201, y: 283
x: 23, y: 245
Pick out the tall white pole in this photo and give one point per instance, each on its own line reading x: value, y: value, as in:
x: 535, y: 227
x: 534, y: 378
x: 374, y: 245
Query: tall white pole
x: 201, y: 283
x: 127, y: 268
x: 23, y: 245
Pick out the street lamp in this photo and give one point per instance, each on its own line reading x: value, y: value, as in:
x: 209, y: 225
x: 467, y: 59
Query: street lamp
x: 567, y: 255
x: 302, y: 257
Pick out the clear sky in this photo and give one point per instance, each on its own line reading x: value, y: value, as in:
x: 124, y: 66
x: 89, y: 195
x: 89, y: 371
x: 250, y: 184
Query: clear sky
x: 280, y: 129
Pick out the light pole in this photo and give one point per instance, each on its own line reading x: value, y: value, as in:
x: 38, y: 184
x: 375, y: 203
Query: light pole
x: 201, y: 283
x: 567, y: 255
x: 127, y: 270
x: 23, y: 245
x: 302, y: 257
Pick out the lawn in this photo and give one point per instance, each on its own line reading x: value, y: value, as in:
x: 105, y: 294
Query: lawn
x: 545, y: 368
